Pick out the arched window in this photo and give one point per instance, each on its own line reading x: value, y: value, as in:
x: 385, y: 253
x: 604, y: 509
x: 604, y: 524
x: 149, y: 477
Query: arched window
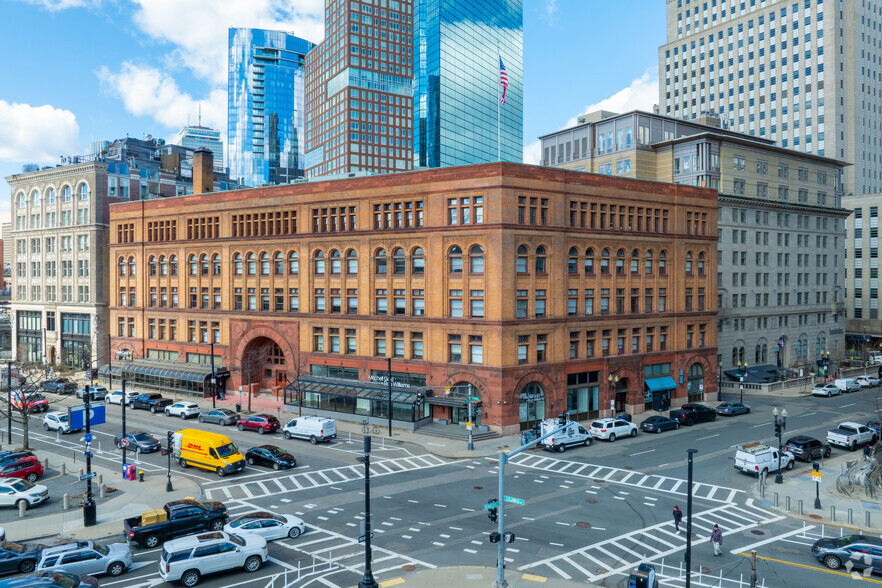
x: 237, y: 264
x: 662, y: 263
x: 573, y: 261
x: 132, y: 267
x: 701, y: 263
x: 620, y: 262
x: 279, y: 264
x: 765, y: 355
x: 399, y: 262
x: 163, y: 266
x: 695, y: 383
x: 319, y: 262
x: 757, y: 358
x: 647, y: 262
x: 35, y: 198
x: 455, y: 260
x: 476, y: 260
x: 151, y: 265
x: 688, y: 263
x: 50, y: 196
x: 264, y: 264
x: 381, y: 261
x: 589, y: 261
x: 173, y: 262
x: 741, y: 353
x: 293, y: 263
x: 352, y: 262
x: 194, y: 267
x: 540, y: 260
x: 216, y: 264
x: 22, y: 201
x: 734, y: 356
x: 604, y: 261
x: 204, y: 266
x: 635, y: 262
x: 84, y: 191
x: 251, y: 264
x: 336, y: 262
x: 66, y: 194
x: 418, y: 261
x: 122, y: 266
x: 521, y: 263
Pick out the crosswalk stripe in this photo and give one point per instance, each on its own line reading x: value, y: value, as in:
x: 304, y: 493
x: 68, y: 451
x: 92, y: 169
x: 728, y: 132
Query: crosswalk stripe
x: 560, y: 572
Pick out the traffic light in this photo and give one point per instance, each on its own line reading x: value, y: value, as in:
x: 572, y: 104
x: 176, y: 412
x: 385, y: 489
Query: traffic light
x: 170, y: 435
x: 777, y: 430
x: 494, y: 537
x: 491, y: 512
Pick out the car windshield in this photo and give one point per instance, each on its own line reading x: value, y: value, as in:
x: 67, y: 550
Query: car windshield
x: 142, y: 437
x: 226, y: 450
x: 62, y: 418
x: 598, y: 424
x: 237, y: 540
x: 226, y: 412
x: 16, y: 547
x: 63, y: 580
x: 277, y: 451
x: 843, y: 541
x: 101, y: 549
x: 22, y: 485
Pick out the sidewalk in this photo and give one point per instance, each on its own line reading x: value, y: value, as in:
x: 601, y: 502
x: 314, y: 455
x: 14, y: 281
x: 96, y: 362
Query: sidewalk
x: 801, y: 486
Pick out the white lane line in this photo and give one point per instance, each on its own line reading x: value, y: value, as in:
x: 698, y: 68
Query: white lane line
x: 556, y: 544
x: 847, y: 405
x: 708, y: 437
x: 472, y: 551
x: 808, y: 414
x: 642, y: 452
x: 763, y: 425
x: 772, y: 539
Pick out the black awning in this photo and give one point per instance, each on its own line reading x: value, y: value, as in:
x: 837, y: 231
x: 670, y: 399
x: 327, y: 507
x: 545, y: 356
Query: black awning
x: 354, y: 388
x: 171, y: 370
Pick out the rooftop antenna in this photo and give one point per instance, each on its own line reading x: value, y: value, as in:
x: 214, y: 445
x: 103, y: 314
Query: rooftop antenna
x: 200, y: 115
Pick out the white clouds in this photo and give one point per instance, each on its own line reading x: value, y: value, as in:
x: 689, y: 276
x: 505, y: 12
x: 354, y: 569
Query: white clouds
x: 147, y: 91
x: 550, y: 11
x: 36, y: 134
x: 641, y: 94
x: 58, y: 5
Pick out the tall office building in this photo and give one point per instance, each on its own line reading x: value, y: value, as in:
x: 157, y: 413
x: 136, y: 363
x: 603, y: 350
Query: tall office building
x: 359, y: 110
x: 457, y: 93
x: 196, y: 136
x: 265, y: 93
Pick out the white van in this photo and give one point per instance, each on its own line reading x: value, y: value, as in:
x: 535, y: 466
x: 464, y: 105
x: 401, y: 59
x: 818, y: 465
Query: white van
x: 875, y: 357
x: 847, y: 384
x: 315, y: 428
x: 759, y: 459
x: 573, y: 436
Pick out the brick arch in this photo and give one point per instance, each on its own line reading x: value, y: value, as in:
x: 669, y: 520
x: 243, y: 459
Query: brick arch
x: 635, y: 391
x: 514, y: 392
x: 469, y: 378
x: 259, y: 331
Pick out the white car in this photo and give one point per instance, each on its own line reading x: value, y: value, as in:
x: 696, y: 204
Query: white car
x: 116, y: 397
x: 56, y: 421
x: 183, y: 410
x: 189, y: 558
x: 268, y: 525
x: 867, y: 381
x: 612, y: 429
x: 827, y: 390
x: 14, y: 491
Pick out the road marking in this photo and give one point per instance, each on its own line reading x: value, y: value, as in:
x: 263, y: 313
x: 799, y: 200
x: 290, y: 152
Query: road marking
x: 640, y: 453
x: 556, y: 544
x: 747, y: 548
x: 824, y: 570
x: 847, y: 405
x: 763, y: 424
x: 393, y: 582
x: 472, y: 551
x: 560, y: 523
x: 808, y: 414
x: 708, y: 437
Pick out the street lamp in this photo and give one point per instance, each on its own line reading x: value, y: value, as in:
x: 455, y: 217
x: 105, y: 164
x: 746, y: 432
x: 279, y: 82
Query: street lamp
x: 613, y: 384
x: 690, y: 453
x: 780, y: 426
x: 742, y: 371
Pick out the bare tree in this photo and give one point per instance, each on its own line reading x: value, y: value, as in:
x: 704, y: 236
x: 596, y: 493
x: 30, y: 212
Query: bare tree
x: 24, y: 399
x: 253, y: 363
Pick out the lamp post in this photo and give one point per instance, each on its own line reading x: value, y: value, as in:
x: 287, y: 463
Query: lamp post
x: 367, y: 581
x: 780, y: 425
x: 690, y: 453
x: 613, y: 384
x: 389, y: 383
x: 89, y: 514
x: 742, y: 371
x: 213, y: 380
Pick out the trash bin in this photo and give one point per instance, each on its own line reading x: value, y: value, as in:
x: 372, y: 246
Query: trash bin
x: 238, y: 408
x: 624, y: 417
x: 643, y: 577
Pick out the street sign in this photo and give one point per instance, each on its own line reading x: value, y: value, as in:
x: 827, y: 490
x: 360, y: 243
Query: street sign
x: 474, y: 399
x: 124, y: 442
x: 468, y: 425
x: 816, y: 476
x: 77, y: 416
x: 88, y: 437
x: 363, y: 537
x: 490, y: 505
x: 513, y: 500
x: 88, y: 476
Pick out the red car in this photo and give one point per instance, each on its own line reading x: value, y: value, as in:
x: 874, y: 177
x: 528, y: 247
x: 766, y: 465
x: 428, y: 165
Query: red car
x: 262, y: 423
x: 28, y: 468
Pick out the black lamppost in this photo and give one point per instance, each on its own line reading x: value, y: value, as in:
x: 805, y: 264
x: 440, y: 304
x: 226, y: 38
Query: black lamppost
x: 690, y: 453
x: 213, y: 380
x: 825, y: 361
x: 613, y: 384
x: 367, y: 580
x: 89, y: 511
x: 742, y: 372
x: 780, y: 425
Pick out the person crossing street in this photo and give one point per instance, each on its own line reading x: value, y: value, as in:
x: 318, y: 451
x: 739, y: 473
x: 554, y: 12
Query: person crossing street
x: 678, y: 516
x: 716, y: 538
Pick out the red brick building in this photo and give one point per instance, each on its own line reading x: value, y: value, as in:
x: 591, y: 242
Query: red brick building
x: 537, y: 290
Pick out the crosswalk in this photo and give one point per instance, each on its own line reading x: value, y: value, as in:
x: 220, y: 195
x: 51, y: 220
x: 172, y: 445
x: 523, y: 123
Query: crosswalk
x: 667, y: 484
x: 278, y: 484
x: 617, y: 555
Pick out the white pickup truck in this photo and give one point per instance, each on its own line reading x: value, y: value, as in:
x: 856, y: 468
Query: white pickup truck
x: 850, y: 435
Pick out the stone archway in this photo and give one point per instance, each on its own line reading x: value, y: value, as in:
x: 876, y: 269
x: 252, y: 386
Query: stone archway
x: 263, y: 365
x: 262, y: 354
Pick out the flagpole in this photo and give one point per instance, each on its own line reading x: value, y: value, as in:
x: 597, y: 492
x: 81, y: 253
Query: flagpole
x: 498, y: 106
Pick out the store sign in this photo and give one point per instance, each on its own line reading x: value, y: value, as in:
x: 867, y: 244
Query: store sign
x: 385, y: 381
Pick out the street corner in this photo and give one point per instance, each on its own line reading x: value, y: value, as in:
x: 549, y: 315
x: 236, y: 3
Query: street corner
x: 474, y: 576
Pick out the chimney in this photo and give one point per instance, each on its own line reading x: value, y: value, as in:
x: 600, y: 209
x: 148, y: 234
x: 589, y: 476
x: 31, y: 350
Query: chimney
x: 203, y: 171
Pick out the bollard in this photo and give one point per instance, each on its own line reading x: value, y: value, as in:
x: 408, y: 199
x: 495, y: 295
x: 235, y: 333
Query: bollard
x: 100, y: 479
x: 102, y: 490
x: 46, y: 464
x: 22, y: 507
x: 776, y: 499
x: 787, y: 503
x: 832, y: 513
x: 63, y: 469
x: 75, y: 456
x: 850, y: 517
x: 66, y: 501
x: 867, y: 519
x: 82, y: 472
x: 799, y: 507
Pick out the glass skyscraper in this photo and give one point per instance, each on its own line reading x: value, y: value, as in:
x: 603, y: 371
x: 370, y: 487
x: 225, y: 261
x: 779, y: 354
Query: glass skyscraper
x: 458, y: 118
x: 266, y: 106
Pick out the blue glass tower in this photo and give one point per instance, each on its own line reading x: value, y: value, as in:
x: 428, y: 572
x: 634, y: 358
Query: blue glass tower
x: 265, y: 115
x: 458, y: 118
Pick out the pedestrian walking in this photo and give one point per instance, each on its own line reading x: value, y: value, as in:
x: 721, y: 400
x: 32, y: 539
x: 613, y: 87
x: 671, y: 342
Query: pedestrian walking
x: 717, y: 539
x: 678, y: 516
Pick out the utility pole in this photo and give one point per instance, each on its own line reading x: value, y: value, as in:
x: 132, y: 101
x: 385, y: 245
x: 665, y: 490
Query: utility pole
x: 89, y: 514
x: 690, y: 453
x: 169, y: 436
x: 9, y: 402
x: 389, y: 382
x: 124, y: 438
x: 109, y: 366
x: 367, y: 580
x: 753, y: 568
x: 213, y: 381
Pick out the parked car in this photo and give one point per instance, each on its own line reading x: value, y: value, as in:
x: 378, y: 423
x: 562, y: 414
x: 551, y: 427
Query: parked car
x: 854, y: 552
x: 56, y: 421
x: 807, y: 448
x: 27, y: 468
x: 828, y: 390
x: 270, y: 456
x: 182, y: 518
x: 13, y: 492
x: 51, y: 580
x: 573, y: 435
x: 35, y: 401
x: 95, y: 393
x: 152, y: 401
x: 851, y: 435
x: 14, y: 456
x: 220, y: 416
x: 876, y: 425
x: 847, y: 384
x: 116, y: 397
x: 760, y: 459
x: 189, y: 558
x: 59, y: 386
x: 268, y: 525
x: 732, y: 408
x: 262, y: 423
x: 87, y: 557
x: 19, y: 557
x: 612, y: 429
x: 184, y: 410
x: 315, y: 428
x: 139, y: 441
x: 658, y: 423
x: 689, y: 414
x: 868, y: 381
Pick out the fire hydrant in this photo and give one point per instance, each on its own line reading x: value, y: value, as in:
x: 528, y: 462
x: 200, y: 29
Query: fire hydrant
x: 140, y: 475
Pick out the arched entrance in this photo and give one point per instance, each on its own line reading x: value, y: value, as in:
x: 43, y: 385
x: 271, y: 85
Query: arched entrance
x: 460, y: 414
x: 262, y: 364
x: 52, y: 355
x: 531, y: 408
x: 695, y: 383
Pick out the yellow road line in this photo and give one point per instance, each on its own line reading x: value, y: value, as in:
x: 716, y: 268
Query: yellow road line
x: 534, y: 578
x: 817, y: 569
x: 394, y: 582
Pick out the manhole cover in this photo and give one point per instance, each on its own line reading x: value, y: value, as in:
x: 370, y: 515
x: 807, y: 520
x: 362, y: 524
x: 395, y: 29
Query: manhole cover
x: 602, y: 570
x: 477, y: 487
x: 591, y: 501
x: 408, y: 568
x: 599, y: 481
x: 583, y: 524
x: 628, y: 467
x: 814, y: 516
x: 758, y: 532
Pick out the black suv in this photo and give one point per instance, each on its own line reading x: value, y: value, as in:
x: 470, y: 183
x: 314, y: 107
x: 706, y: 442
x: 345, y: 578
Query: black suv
x: 807, y: 448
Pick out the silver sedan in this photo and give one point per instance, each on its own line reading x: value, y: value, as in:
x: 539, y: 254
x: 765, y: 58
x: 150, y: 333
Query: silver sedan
x: 732, y: 408
x: 268, y: 525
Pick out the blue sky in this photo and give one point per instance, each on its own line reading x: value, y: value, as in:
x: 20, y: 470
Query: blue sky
x: 76, y: 71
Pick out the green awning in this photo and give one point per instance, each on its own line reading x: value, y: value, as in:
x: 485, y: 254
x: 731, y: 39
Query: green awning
x: 662, y: 383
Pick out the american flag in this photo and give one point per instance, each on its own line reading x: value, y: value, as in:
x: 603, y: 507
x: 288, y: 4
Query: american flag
x: 503, y: 79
